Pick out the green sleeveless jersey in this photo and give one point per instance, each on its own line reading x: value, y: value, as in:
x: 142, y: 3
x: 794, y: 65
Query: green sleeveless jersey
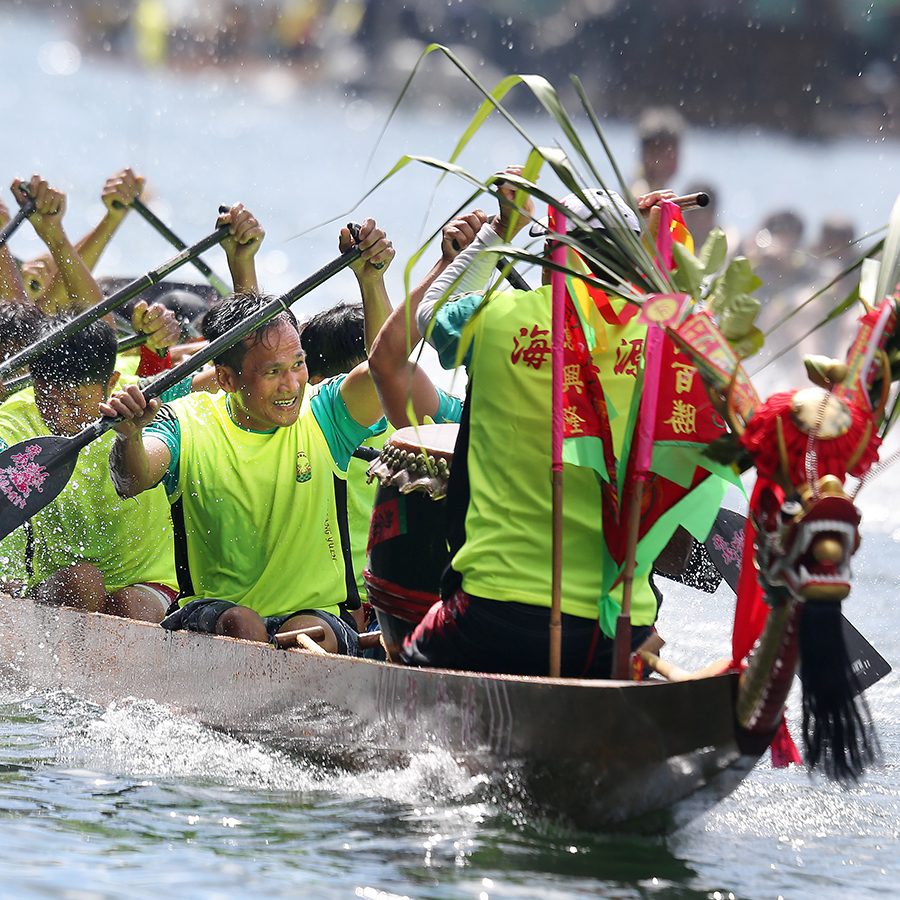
x: 259, y: 512
x: 129, y: 541
x: 508, y: 536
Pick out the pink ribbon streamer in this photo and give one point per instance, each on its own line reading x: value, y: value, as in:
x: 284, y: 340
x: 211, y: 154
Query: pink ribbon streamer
x: 558, y: 294
x: 653, y: 345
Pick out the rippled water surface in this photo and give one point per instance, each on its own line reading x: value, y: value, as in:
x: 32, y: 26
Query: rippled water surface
x: 135, y: 800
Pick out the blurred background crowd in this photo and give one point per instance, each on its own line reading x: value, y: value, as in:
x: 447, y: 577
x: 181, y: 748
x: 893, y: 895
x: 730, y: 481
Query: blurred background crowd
x: 811, y: 67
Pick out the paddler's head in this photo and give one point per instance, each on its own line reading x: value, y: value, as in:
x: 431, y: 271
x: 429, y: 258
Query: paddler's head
x: 71, y: 380
x: 606, y: 215
x: 20, y: 324
x: 265, y: 374
x: 334, y: 340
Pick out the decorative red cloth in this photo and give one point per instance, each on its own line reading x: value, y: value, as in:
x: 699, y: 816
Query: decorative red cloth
x: 761, y: 440
x: 783, y: 749
x: 152, y: 363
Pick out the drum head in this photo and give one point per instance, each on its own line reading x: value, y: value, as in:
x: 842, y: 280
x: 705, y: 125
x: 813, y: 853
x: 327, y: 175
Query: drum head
x: 437, y: 440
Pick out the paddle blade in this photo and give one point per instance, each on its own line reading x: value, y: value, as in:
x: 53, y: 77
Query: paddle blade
x: 868, y: 665
x: 725, y: 545
x: 32, y: 473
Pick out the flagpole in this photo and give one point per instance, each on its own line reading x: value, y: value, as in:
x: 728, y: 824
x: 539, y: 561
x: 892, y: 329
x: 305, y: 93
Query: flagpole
x: 558, y: 295
x: 653, y: 349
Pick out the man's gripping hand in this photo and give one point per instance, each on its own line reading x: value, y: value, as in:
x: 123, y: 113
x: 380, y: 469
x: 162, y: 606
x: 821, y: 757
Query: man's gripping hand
x: 376, y: 251
x: 120, y: 191
x: 458, y: 233
x: 135, y: 410
x: 163, y: 330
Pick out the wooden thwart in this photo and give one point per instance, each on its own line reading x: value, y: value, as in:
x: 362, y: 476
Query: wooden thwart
x: 307, y: 638
x: 671, y: 672
x: 292, y: 638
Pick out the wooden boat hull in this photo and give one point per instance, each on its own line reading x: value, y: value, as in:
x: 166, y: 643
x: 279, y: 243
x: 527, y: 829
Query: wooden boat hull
x: 599, y: 755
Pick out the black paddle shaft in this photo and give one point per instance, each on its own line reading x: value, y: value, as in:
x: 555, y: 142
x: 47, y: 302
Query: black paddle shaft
x: 9, y: 229
x: 33, y: 472
x: 153, y: 220
x: 112, y: 302
x: 515, y: 280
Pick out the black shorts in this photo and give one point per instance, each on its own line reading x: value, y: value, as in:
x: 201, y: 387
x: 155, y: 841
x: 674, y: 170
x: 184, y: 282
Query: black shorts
x: 480, y: 635
x: 201, y: 615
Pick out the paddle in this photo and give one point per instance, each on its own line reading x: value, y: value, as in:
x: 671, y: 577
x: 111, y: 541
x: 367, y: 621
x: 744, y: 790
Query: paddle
x: 151, y: 218
x: 366, y: 454
x: 515, y: 280
x: 113, y: 301
x: 33, y: 472
x: 24, y: 381
x: 725, y: 547
x: 512, y: 276
x: 10, y: 227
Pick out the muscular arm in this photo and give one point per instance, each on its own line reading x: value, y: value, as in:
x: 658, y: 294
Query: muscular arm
x: 81, y: 291
x: 11, y: 287
x: 74, y: 287
x: 396, y: 378
x: 137, y: 463
x: 117, y: 195
x: 357, y: 389
x: 89, y: 249
x: 240, y: 246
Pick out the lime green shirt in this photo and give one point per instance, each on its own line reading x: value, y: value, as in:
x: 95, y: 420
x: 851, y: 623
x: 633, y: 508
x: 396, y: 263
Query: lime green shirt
x: 508, y: 548
x: 259, y: 510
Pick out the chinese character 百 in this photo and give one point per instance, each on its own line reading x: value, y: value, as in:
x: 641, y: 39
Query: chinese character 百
x: 684, y: 377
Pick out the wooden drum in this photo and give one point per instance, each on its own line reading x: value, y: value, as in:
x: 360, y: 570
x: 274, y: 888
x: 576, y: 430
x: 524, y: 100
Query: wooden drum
x: 407, y: 551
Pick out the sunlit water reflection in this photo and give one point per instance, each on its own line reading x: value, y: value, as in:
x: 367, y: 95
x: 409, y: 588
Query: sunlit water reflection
x: 135, y: 800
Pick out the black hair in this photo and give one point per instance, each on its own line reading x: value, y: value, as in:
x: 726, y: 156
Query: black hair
x: 334, y: 340
x: 224, y: 315
x: 20, y: 324
x: 86, y: 357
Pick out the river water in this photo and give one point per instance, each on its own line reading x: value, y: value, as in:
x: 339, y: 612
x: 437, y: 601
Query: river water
x: 132, y: 800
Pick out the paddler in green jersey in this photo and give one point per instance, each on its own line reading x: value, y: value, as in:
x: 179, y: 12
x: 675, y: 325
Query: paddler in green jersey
x: 88, y: 548
x: 251, y: 472
x: 496, y: 598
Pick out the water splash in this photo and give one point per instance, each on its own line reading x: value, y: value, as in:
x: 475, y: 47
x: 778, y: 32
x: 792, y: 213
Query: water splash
x: 142, y: 739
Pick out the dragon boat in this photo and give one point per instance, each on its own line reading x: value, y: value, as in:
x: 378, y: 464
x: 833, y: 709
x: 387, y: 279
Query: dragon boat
x: 645, y: 755
x: 648, y: 755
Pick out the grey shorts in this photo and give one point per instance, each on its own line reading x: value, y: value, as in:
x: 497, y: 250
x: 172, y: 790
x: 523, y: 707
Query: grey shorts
x: 201, y: 615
